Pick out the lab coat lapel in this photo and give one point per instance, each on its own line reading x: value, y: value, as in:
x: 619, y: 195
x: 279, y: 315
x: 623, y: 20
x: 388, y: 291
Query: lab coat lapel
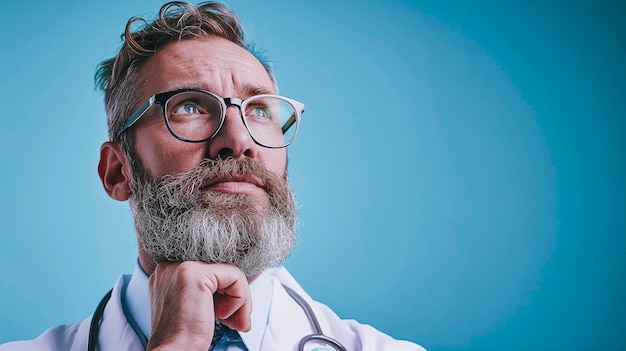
x: 82, y: 335
x: 288, y: 323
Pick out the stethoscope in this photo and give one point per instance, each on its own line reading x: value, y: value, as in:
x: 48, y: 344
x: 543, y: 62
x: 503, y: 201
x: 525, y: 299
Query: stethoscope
x: 317, y: 336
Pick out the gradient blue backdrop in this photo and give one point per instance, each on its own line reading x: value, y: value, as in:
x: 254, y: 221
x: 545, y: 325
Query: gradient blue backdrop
x: 459, y: 172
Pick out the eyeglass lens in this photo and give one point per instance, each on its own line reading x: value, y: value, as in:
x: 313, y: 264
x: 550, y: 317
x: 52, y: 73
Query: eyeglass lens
x: 196, y: 116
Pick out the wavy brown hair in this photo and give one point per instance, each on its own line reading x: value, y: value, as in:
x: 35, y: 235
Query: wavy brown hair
x: 119, y: 77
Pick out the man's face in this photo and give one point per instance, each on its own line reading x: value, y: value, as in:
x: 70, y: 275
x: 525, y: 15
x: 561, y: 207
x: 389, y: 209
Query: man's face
x: 221, y: 67
x: 226, y: 200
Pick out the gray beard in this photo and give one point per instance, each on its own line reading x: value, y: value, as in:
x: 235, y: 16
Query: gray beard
x: 176, y: 221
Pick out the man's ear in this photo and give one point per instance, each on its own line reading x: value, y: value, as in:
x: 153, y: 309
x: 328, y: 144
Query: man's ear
x: 114, y: 171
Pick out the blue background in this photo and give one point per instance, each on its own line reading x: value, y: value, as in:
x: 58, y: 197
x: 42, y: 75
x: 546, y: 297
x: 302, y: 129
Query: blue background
x: 459, y: 171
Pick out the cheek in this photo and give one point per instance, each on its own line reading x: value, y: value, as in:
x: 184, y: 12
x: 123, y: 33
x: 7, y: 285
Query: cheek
x: 161, y: 156
x: 276, y: 161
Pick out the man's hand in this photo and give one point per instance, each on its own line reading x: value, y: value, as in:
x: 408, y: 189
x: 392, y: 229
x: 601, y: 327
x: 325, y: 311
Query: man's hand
x: 185, y: 299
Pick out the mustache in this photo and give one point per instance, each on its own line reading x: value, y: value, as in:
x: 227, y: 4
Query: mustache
x: 210, y: 169
x: 187, y: 185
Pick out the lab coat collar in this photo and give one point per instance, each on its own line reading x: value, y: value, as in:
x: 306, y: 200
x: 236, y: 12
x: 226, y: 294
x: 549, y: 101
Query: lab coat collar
x: 261, y: 289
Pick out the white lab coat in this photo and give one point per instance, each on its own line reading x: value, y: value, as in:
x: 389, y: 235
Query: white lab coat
x: 287, y: 325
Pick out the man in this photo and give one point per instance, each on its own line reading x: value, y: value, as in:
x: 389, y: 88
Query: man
x: 197, y: 144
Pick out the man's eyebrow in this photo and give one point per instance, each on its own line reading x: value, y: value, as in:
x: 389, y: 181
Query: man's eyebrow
x: 194, y: 86
x: 250, y: 90
x: 247, y: 91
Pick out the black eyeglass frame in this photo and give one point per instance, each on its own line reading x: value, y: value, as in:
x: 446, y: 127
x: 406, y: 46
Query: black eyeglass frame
x: 162, y: 98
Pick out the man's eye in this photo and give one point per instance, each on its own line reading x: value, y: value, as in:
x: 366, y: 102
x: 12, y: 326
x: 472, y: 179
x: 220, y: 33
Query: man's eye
x: 261, y: 112
x: 187, y: 109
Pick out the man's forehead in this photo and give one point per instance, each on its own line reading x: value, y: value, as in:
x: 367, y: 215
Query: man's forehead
x: 213, y: 64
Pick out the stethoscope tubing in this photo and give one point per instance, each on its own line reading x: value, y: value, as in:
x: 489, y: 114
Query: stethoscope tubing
x: 319, y: 334
x: 94, y: 326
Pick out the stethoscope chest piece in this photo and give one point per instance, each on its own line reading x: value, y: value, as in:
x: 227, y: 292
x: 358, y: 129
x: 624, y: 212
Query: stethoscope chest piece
x: 319, y: 342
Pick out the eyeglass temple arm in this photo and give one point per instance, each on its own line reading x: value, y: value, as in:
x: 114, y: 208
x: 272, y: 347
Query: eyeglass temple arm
x: 289, y: 122
x: 135, y: 116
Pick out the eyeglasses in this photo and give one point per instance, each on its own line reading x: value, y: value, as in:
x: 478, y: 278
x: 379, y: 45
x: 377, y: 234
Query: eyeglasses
x: 195, y: 116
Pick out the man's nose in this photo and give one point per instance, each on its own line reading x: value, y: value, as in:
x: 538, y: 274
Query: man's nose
x: 233, y: 139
